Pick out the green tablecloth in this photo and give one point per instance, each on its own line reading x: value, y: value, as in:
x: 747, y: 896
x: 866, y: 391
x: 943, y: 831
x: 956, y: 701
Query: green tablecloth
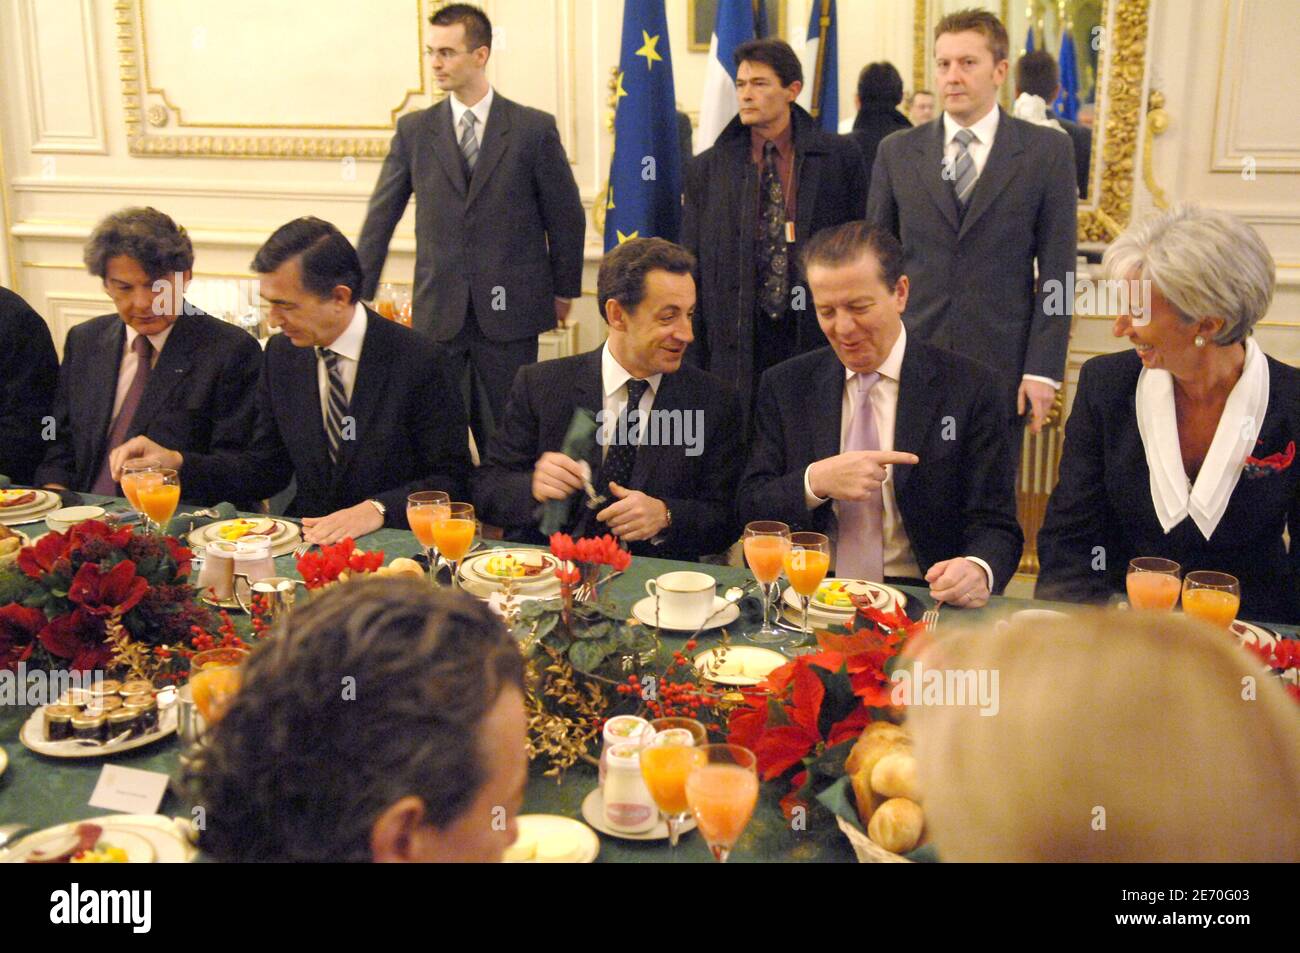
x: 43, y: 791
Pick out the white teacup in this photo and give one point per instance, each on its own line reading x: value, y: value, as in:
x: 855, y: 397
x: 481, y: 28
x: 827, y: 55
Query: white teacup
x: 685, y: 598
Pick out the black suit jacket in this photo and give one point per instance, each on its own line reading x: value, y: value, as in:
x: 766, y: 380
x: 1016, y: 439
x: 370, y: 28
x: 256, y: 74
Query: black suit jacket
x: 200, y: 397
x: 510, y: 239
x: 872, y: 124
x: 699, y: 489
x: 29, y: 376
x: 959, y: 500
x: 1081, y: 137
x: 410, y: 431
x: 1102, y: 507
x: 719, y: 223
x: 972, y: 275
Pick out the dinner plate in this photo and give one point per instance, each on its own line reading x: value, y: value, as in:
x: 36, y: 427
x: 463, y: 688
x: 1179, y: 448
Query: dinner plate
x: 1250, y: 634
x: 10, y: 558
x: 879, y: 594
x: 722, y: 613
x: 543, y: 828
x: 593, y: 812
x: 283, y: 541
x: 146, y: 838
x: 475, y: 567
x: 32, y: 736
x: 45, y: 502
x: 755, y: 664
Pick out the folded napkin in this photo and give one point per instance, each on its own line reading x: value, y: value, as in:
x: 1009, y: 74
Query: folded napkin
x: 183, y: 523
x: 579, y: 441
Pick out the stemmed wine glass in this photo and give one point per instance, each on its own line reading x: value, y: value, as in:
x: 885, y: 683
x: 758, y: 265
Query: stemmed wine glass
x: 132, y: 474
x: 423, y: 509
x: 766, y: 543
x: 159, y: 492
x: 806, y: 564
x: 453, y: 534
x: 722, y: 790
x: 667, y: 756
x: 1153, y: 583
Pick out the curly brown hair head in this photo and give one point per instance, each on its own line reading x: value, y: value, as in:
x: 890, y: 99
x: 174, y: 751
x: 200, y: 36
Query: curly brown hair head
x: 161, y: 247
x: 370, y: 692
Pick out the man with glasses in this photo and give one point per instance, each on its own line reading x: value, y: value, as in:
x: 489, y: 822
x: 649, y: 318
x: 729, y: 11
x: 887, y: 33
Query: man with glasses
x: 499, y: 224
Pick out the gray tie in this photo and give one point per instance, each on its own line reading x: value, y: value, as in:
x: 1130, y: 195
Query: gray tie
x: 338, y: 403
x: 963, y: 170
x: 468, y: 141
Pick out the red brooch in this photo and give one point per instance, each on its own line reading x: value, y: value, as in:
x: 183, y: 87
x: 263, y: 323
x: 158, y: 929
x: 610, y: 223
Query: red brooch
x: 1274, y: 463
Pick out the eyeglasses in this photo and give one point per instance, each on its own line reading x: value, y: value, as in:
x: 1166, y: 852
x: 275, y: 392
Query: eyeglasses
x: 444, y: 53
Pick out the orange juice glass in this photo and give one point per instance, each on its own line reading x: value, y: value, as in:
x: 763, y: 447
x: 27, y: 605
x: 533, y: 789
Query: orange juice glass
x: 132, y: 473
x: 722, y: 790
x: 666, y: 764
x: 423, y: 509
x: 453, y: 534
x: 1153, y: 583
x: 215, y: 677
x: 159, y: 491
x: 1212, y: 596
x: 766, y: 543
x: 806, y: 565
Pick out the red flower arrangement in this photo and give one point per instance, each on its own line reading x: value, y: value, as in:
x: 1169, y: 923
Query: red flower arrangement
x: 812, y: 709
x: 1273, y: 463
x: 1282, y: 656
x: 330, y: 563
x: 71, y: 591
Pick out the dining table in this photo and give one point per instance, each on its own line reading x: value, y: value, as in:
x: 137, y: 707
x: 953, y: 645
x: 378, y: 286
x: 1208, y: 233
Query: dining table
x: 41, y: 791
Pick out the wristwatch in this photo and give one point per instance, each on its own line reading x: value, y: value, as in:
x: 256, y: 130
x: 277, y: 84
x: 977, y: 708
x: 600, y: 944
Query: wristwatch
x: 662, y: 536
x: 383, y: 510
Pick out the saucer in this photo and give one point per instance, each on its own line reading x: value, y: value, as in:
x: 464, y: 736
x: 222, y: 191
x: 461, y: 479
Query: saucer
x: 593, y: 812
x: 722, y: 613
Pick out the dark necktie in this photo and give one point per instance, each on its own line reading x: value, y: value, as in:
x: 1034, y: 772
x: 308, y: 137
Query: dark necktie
x: 468, y: 142
x: 121, y: 426
x: 338, y: 403
x: 773, y: 258
x: 963, y: 168
x: 621, y: 456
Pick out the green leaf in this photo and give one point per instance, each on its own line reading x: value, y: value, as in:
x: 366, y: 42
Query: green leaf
x: 831, y: 762
x: 776, y: 714
x: 588, y: 655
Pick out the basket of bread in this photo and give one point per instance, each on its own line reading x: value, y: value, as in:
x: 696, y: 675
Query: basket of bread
x: 11, y: 541
x: 877, y: 803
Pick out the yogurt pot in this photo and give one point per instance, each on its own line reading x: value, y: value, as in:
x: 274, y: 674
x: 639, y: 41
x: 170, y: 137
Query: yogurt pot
x: 621, y: 729
x: 628, y: 805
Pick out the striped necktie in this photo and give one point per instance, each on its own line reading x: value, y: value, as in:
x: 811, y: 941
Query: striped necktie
x: 963, y: 169
x: 468, y: 141
x: 338, y: 403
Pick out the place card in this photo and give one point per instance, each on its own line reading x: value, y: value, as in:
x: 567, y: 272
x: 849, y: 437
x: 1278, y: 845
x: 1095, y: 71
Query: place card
x: 129, y: 790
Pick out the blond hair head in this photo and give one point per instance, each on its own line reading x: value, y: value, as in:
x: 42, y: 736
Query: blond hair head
x: 1118, y: 736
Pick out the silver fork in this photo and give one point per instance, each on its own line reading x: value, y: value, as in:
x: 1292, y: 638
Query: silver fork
x: 930, y: 618
x: 301, y: 549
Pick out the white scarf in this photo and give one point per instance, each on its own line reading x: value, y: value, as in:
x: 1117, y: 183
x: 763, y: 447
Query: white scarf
x: 1174, y: 496
x: 1031, y: 108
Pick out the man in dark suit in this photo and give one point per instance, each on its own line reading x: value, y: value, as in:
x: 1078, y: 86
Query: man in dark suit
x: 771, y: 181
x: 1038, y: 75
x: 880, y: 91
x: 159, y: 367
x: 893, y: 447
x: 29, y: 375
x: 979, y: 199
x: 668, y: 465
x: 499, y: 224
x: 359, y: 410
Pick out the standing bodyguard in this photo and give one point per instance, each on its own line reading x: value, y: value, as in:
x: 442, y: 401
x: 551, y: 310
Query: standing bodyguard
x: 499, y: 224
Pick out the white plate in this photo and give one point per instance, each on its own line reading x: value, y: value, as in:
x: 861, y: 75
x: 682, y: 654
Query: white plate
x: 879, y: 593
x: 11, y: 558
x: 542, y: 826
x: 751, y: 657
x: 1250, y: 634
x: 593, y: 812
x: 147, y: 838
x: 45, y: 502
x: 283, y: 541
x: 723, y: 613
x: 473, y: 567
x: 33, y: 736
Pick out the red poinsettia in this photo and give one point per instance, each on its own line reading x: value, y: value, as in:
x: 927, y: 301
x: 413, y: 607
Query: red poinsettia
x: 181, y: 555
x: 38, y: 559
x: 596, y: 550
x: 320, y: 568
x: 19, y: 627
x: 115, y: 592
x: 97, y: 529
x: 79, y: 637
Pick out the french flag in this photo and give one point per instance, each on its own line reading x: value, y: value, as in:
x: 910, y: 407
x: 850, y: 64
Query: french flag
x: 821, y: 67
x: 734, y: 26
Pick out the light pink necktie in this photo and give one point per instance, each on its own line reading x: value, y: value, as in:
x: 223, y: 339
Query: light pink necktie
x: 860, y: 551
x: 143, y: 348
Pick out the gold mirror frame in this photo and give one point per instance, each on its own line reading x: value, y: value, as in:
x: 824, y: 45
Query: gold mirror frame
x: 1119, y: 110
x: 142, y: 119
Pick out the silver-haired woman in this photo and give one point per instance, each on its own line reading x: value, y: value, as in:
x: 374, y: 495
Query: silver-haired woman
x: 1184, y: 446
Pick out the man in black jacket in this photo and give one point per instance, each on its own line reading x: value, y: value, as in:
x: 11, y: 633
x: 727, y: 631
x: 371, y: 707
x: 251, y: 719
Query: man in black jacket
x: 359, y: 410
x: 895, y: 448
x: 29, y: 374
x: 772, y: 180
x: 668, y: 465
x: 880, y: 90
x: 158, y: 366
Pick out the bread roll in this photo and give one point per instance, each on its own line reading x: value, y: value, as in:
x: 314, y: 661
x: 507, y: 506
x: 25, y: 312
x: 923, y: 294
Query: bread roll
x: 894, y: 775
x: 897, y: 825
x: 879, y: 738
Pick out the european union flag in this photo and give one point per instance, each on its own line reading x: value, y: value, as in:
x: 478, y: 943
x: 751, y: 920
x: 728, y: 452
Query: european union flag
x: 1029, y: 40
x: 645, y: 175
x: 1067, y: 102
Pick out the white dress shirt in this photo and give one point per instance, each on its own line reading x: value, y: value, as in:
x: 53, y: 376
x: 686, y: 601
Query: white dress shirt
x: 348, y: 347
x: 480, y: 110
x: 613, y: 378
x: 899, y: 560
x: 129, y: 363
x: 985, y: 131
